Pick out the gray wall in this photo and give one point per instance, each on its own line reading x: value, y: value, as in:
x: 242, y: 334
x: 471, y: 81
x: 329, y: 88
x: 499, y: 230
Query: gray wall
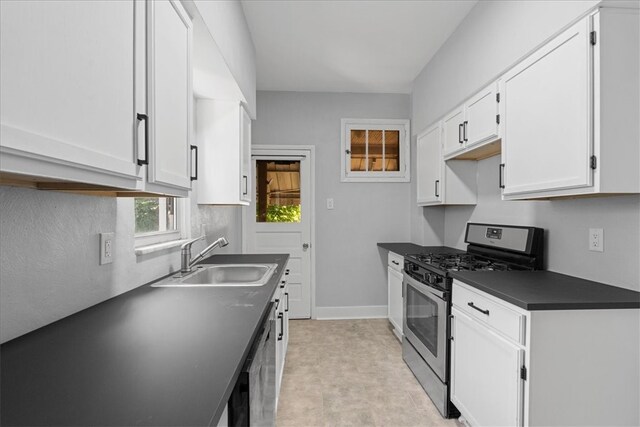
x: 495, y: 35
x: 350, y: 271
x: 49, y: 253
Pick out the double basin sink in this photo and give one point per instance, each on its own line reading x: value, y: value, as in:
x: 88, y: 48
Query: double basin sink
x: 221, y: 275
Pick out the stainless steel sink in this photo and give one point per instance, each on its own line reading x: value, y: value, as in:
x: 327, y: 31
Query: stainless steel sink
x: 223, y: 275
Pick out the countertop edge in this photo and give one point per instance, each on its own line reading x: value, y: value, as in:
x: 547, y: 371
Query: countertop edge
x: 549, y: 306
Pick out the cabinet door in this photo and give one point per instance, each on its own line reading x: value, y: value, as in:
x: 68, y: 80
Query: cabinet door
x: 485, y: 374
x: 429, y: 167
x: 547, y: 137
x: 452, y: 126
x: 481, y: 113
x: 67, y: 84
x: 245, y: 155
x: 395, y: 298
x: 170, y: 96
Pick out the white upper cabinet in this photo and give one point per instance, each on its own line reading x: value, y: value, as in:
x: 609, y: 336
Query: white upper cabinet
x: 571, y: 110
x: 482, y: 122
x: 224, y: 141
x: 67, y: 84
x: 81, y: 84
x: 547, y: 111
x: 440, y: 183
x: 170, y: 95
x: 429, y: 166
x: 473, y: 123
x: 453, y: 124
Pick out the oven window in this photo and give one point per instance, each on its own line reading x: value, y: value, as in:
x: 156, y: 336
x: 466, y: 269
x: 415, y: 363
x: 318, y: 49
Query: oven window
x: 422, y: 319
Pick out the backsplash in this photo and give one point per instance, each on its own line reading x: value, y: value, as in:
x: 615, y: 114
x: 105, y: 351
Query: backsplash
x: 50, y: 269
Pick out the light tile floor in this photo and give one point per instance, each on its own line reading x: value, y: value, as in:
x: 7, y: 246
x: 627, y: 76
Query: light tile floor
x: 350, y: 373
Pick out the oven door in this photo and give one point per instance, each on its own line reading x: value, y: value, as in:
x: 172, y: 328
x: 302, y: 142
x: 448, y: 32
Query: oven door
x: 425, y: 323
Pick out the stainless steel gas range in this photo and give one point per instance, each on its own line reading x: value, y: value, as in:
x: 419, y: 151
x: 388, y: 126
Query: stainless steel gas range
x: 427, y: 297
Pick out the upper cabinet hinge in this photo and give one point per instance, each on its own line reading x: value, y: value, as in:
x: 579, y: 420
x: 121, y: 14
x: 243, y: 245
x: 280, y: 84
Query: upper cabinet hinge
x: 523, y: 373
x: 594, y: 162
x: 593, y: 37
x: 498, y: 97
x: 498, y: 119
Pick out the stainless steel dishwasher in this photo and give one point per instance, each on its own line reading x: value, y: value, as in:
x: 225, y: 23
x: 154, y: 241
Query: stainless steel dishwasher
x: 253, y: 400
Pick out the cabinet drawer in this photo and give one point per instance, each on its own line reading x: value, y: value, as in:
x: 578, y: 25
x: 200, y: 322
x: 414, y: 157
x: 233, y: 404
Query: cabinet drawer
x: 505, y: 320
x: 396, y: 261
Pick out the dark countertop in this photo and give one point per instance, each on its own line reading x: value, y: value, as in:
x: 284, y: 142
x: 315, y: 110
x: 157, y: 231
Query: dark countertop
x: 546, y: 290
x: 404, y: 248
x: 151, y: 357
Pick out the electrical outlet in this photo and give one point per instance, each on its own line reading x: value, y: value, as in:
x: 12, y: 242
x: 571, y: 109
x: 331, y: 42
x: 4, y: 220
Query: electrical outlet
x: 329, y: 203
x: 106, y: 248
x: 596, y: 239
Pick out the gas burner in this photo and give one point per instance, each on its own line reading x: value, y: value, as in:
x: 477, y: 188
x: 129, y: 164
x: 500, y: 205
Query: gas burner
x: 463, y: 262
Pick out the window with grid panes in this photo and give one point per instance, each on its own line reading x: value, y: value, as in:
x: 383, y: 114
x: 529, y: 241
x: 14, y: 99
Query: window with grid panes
x: 375, y: 150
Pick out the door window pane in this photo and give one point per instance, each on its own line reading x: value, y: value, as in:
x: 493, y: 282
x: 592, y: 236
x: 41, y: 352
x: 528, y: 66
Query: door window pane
x: 375, y: 150
x: 278, y: 191
x: 358, y: 150
x: 392, y: 150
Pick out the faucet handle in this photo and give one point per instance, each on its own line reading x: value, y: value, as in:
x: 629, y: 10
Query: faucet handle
x: 191, y: 242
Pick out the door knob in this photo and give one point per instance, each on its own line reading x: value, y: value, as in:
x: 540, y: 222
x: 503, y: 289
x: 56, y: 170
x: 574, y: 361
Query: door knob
x: 305, y: 246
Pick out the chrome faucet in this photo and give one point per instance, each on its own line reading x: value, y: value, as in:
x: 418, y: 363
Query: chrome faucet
x: 187, y: 261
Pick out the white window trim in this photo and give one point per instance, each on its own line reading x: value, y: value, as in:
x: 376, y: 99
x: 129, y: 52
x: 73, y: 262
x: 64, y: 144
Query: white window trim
x: 160, y: 240
x: 404, y: 175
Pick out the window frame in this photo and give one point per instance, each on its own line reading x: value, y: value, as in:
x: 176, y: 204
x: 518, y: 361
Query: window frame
x: 404, y: 162
x: 157, y: 237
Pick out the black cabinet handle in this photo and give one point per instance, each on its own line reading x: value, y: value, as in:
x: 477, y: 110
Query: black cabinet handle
x: 395, y: 262
x: 286, y: 309
x: 479, y: 309
x: 144, y: 117
x: 245, y: 180
x: 460, y: 133
x: 277, y: 302
x: 464, y: 130
x: 281, y: 334
x: 501, y: 175
x: 195, y: 177
x: 437, y: 186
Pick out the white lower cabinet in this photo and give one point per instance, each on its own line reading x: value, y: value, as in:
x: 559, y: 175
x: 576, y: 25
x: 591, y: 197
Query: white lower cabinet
x: 395, y: 293
x: 281, y: 298
x: 513, y: 367
x: 485, y: 376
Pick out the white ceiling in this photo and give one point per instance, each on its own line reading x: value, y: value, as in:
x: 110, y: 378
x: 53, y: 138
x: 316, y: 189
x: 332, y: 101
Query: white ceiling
x: 348, y: 46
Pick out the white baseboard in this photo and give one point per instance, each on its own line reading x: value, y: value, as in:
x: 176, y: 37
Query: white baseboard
x: 353, y: 312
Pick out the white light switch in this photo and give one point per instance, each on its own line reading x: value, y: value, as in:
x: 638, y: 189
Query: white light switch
x: 596, y: 239
x: 329, y: 203
x: 106, y: 248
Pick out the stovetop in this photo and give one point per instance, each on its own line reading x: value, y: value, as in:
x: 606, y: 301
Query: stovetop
x: 463, y: 262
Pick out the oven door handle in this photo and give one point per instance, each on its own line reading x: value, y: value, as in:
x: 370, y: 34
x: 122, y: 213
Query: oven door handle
x: 424, y: 288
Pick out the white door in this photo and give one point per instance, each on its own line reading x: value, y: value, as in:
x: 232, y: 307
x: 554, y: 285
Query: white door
x: 481, y: 116
x: 278, y: 220
x: 485, y: 374
x: 429, y: 166
x: 170, y: 97
x: 547, y: 135
x: 452, y: 131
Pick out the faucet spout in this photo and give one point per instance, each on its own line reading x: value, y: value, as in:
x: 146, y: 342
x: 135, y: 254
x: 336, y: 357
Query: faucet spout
x: 221, y: 242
